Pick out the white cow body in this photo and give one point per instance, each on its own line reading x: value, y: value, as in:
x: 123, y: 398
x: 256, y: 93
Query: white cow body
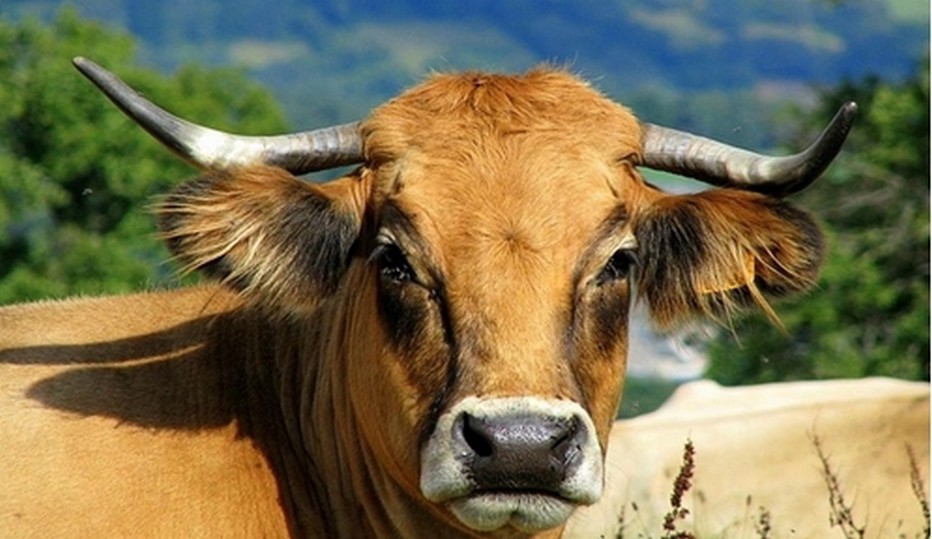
x: 754, y: 449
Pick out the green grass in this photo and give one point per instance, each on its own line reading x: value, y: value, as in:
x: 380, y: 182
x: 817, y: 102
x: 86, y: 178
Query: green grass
x: 643, y: 395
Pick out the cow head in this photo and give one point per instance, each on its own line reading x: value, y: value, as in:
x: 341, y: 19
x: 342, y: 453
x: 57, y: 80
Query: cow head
x: 482, y: 260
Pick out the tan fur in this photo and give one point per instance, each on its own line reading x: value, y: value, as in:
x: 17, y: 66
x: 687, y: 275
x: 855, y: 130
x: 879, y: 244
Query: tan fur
x: 83, y: 457
x: 313, y: 387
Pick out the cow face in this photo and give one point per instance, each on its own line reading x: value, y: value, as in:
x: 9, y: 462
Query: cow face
x: 502, y: 306
x: 482, y: 260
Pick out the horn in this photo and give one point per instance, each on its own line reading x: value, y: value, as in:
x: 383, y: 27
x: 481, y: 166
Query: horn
x: 726, y: 166
x: 206, y: 148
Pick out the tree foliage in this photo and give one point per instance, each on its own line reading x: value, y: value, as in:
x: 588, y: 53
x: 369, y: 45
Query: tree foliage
x: 870, y: 312
x: 75, y: 174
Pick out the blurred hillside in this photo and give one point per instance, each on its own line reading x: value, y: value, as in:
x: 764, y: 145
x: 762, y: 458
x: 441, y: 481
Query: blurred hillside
x: 720, y: 67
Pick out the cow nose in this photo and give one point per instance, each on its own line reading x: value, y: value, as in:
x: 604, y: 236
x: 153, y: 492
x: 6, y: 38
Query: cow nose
x: 520, y: 452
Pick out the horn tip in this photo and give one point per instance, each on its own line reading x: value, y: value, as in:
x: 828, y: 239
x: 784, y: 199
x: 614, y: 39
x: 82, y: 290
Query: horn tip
x: 81, y: 63
x: 843, y: 121
x: 88, y: 68
x: 848, y: 111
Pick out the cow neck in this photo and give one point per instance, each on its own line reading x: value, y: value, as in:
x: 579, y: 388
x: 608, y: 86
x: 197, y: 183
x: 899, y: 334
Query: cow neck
x: 263, y: 349
x: 294, y: 410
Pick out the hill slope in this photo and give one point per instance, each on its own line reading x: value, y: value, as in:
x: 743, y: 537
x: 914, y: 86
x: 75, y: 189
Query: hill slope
x: 335, y: 59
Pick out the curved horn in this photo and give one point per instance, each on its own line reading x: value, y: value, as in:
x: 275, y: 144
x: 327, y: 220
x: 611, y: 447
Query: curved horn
x: 723, y: 165
x: 206, y: 148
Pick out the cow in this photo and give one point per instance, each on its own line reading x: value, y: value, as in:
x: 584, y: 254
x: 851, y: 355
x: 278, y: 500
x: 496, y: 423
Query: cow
x: 761, y: 457
x: 433, y: 345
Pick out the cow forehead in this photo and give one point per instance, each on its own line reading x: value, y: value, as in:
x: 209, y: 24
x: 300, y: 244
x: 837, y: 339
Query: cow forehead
x: 458, y: 115
x: 495, y: 164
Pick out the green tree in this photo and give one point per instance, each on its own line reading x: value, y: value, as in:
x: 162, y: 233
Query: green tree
x: 75, y: 174
x: 870, y: 312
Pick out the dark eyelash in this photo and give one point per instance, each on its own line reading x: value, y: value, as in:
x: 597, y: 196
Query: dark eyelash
x: 618, y: 266
x: 392, y: 263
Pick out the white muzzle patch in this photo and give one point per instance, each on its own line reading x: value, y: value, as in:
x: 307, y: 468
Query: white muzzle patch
x: 526, y: 462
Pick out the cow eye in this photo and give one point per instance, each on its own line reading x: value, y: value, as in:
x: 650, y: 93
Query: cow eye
x: 618, y: 266
x: 392, y: 263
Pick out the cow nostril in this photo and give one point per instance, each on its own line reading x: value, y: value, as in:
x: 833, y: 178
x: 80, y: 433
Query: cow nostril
x: 566, y: 442
x: 475, y: 438
x: 562, y: 436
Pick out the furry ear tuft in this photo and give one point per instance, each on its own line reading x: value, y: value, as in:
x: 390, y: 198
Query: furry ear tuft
x: 283, y: 243
x: 719, y: 251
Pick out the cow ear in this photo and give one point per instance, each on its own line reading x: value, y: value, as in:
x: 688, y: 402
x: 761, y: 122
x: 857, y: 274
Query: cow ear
x: 716, y: 252
x: 283, y: 243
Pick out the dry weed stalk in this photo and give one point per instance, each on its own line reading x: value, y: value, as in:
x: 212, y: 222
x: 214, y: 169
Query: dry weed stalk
x: 620, y: 533
x: 841, y: 512
x: 915, y: 481
x: 623, y: 525
x: 680, y: 486
x: 763, y: 526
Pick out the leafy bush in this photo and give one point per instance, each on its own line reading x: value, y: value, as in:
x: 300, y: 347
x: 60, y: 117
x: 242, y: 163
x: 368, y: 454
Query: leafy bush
x: 75, y: 174
x: 870, y: 312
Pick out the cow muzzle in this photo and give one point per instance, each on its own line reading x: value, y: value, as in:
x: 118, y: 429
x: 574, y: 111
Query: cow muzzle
x: 520, y: 461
